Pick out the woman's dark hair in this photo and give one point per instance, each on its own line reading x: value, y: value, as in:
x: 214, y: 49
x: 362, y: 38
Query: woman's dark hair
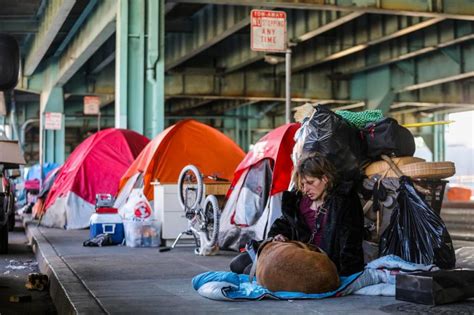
x: 314, y: 165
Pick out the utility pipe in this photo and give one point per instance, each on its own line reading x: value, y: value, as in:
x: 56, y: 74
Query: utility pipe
x: 153, y: 55
x: 23, y: 132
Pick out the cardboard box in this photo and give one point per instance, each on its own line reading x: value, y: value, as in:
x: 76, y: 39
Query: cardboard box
x: 435, y: 287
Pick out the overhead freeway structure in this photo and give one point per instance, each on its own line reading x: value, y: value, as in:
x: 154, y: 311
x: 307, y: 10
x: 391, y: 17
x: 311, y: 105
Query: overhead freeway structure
x: 152, y: 61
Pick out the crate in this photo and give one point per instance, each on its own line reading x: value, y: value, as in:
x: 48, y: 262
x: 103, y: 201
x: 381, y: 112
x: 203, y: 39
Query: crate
x: 217, y: 189
x: 435, y: 287
x: 433, y: 190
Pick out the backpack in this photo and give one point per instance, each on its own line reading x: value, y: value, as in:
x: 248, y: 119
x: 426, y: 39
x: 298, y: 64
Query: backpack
x: 387, y: 137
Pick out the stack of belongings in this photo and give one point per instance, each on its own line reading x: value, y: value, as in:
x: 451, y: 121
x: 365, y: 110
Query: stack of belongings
x: 402, y: 193
x: 404, y: 198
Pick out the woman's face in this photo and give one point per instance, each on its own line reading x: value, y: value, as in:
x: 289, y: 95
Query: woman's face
x: 314, y: 187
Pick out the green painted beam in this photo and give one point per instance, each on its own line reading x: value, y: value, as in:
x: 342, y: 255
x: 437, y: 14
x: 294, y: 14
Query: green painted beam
x: 437, y: 37
x: 54, y: 16
x: 359, y: 37
x: 226, y: 21
x: 424, y: 75
x: 83, y: 83
x: 302, y: 26
x: 455, y: 9
x: 417, y: 79
x: 94, y: 32
x: 18, y: 26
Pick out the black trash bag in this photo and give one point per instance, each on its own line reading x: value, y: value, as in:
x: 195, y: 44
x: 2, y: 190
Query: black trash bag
x: 334, y: 138
x: 416, y: 233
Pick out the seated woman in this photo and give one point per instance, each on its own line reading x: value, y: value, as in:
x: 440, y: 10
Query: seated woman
x: 321, y: 212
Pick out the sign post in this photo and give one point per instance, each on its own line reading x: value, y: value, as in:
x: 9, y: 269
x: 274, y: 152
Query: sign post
x: 268, y: 34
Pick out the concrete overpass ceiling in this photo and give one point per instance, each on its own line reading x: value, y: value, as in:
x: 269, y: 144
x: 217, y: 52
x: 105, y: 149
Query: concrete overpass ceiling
x: 20, y: 19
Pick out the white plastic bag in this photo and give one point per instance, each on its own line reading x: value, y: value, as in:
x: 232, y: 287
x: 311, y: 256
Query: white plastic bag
x: 136, y: 206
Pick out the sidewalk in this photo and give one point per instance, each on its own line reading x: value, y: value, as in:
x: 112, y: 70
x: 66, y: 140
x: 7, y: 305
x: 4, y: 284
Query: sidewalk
x: 123, y: 280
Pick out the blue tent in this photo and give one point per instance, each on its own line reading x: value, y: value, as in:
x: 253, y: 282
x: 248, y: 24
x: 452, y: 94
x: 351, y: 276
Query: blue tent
x: 34, y: 171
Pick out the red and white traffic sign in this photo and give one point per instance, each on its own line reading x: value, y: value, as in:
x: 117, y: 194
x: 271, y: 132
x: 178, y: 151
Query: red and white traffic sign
x: 268, y: 31
x: 91, y: 105
x: 53, y: 121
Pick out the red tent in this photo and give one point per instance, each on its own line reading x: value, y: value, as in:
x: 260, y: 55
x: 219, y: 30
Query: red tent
x: 95, y: 166
x: 276, y: 145
x: 254, y: 200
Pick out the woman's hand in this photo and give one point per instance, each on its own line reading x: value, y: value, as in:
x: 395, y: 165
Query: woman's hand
x: 280, y: 238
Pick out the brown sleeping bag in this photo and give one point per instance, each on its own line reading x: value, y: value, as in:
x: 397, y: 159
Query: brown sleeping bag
x: 296, y: 267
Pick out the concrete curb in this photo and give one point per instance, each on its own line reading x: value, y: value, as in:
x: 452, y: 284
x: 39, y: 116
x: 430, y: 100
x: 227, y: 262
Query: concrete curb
x: 69, y: 294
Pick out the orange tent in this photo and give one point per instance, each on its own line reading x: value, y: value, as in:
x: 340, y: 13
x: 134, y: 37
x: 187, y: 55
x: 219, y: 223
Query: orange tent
x: 186, y: 142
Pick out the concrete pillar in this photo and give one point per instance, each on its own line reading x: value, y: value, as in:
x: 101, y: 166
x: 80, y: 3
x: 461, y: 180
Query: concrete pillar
x: 140, y: 63
x: 53, y: 140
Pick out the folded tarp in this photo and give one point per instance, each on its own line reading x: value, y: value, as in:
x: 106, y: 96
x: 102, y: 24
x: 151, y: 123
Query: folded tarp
x: 377, y: 279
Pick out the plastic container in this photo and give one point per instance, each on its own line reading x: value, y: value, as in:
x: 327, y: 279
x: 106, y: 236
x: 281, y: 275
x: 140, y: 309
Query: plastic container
x: 140, y: 233
x: 107, y: 221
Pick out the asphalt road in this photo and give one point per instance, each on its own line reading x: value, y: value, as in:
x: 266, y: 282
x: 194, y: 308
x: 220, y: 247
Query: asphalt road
x: 14, y: 270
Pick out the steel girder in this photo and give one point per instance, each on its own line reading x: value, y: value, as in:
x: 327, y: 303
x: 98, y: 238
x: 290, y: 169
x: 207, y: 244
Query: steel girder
x: 100, y: 84
x: 417, y: 80
x: 244, y: 86
x: 18, y: 26
x: 103, y: 58
x: 53, y: 18
x: 302, y: 26
x: 98, y: 28
x: 366, y: 32
x: 212, y: 24
x: 367, y: 48
x: 454, y: 9
x: 372, y: 86
x: 438, y: 36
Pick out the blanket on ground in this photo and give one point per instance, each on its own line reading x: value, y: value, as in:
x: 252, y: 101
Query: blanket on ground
x: 378, y: 278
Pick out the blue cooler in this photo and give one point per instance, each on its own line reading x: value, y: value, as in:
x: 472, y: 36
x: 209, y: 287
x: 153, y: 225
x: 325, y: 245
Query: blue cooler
x: 107, y: 221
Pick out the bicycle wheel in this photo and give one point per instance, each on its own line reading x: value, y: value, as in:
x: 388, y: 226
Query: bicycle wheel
x: 211, y: 221
x: 190, y: 188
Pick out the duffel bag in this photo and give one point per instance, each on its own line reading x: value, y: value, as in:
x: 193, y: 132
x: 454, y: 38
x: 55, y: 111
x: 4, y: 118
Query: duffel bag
x: 387, y: 137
